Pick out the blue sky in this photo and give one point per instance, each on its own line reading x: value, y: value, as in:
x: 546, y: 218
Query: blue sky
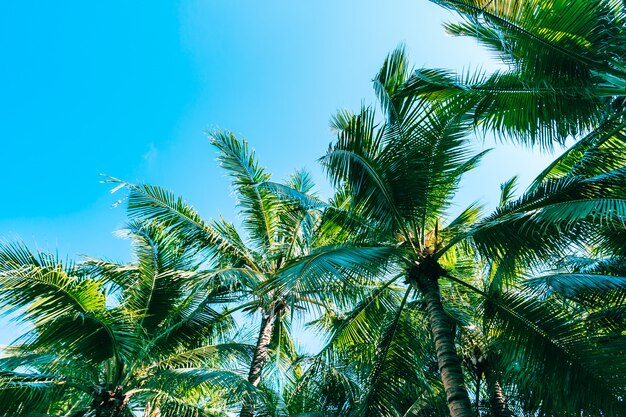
x: 128, y: 88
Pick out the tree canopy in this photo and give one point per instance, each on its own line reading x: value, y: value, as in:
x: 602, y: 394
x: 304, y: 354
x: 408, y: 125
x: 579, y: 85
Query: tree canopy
x: 422, y: 309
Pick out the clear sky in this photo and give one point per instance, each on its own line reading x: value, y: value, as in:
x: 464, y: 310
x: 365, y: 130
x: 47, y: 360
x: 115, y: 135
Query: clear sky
x: 127, y: 89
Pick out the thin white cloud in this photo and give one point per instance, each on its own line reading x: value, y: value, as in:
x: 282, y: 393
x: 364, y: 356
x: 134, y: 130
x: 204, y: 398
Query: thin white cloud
x: 151, y: 154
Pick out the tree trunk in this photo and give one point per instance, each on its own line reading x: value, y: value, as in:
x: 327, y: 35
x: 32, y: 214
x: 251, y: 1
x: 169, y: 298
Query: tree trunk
x: 426, y: 277
x: 497, y: 399
x: 261, y: 353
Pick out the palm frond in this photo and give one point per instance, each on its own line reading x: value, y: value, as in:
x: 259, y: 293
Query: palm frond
x: 601, y: 150
x: 579, y: 373
x: 565, y: 66
x: 311, y: 274
x: 353, y: 159
x: 195, y: 321
x: 156, y: 203
x: 26, y: 395
x: 390, y: 79
x: 172, y: 380
x: 546, y: 222
x: 511, y: 105
x: 593, y: 287
x: 258, y: 205
x: 564, y: 36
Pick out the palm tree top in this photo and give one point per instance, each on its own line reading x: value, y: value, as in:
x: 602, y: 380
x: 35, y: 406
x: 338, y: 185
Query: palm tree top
x: 117, y: 336
x: 565, y: 67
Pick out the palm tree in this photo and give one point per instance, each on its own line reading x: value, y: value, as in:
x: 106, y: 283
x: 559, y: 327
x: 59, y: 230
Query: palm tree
x: 401, y: 176
x: 564, y: 75
x: 571, y: 317
x: 534, y: 350
x: 513, y: 339
x: 111, y: 340
x: 280, y: 240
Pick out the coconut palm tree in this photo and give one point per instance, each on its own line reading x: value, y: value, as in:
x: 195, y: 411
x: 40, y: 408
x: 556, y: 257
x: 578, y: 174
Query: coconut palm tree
x: 570, y: 317
x: 401, y: 175
x: 564, y: 68
x: 513, y: 337
x: 536, y: 362
x: 113, y: 340
x: 279, y: 241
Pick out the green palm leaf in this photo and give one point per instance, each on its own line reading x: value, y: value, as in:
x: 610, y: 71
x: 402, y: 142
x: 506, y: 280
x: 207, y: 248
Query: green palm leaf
x: 258, y: 206
x: 579, y: 373
x: 219, y: 237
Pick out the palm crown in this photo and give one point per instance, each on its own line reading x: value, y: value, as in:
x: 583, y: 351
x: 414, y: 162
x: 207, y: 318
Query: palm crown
x: 281, y: 235
x: 401, y: 175
x: 109, y: 339
x: 564, y: 72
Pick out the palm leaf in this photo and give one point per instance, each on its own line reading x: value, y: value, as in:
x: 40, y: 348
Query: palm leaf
x: 311, y: 274
x: 257, y: 204
x: 578, y: 374
x: 155, y: 203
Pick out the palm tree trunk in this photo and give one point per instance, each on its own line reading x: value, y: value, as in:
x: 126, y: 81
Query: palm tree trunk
x: 441, y: 328
x: 497, y: 399
x: 261, y: 353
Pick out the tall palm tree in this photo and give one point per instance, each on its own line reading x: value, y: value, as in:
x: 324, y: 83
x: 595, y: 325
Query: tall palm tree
x: 279, y: 241
x: 565, y: 68
x: 512, y: 337
x: 112, y: 340
x: 401, y: 175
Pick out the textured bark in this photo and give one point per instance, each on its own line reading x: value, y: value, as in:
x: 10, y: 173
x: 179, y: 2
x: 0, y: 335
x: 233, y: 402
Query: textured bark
x: 497, y: 399
x: 261, y: 353
x: 426, y: 276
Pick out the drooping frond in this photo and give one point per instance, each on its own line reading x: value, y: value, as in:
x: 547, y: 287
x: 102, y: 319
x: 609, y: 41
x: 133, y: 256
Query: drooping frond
x: 64, y: 307
x: 512, y: 106
x: 155, y: 203
x: 312, y: 274
x: 28, y: 395
x: 565, y: 66
x: 195, y: 321
x: 601, y: 150
x: 566, y: 37
x: 294, y: 195
x: 607, y: 265
x: 56, y: 291
x: 173, y: 380
x: 579, y: 373
x: 546, y: 222
x: 116, y: 276
x: 593, y: 287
